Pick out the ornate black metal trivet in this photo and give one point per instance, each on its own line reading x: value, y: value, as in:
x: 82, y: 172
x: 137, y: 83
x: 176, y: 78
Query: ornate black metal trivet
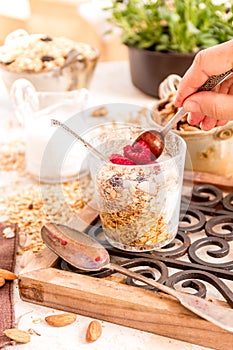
x: 201, y: 252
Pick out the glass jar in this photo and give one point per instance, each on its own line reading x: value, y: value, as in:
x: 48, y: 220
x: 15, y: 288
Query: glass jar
x: 139, y: 205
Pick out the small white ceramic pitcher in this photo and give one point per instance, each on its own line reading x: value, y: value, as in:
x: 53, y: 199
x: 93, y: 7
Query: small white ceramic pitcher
x: 52, y: 156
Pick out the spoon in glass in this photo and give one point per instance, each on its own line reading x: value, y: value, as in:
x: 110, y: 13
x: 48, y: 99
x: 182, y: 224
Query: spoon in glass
x: 156, y: 139
x: 80, y: 139
x: 85, y: 253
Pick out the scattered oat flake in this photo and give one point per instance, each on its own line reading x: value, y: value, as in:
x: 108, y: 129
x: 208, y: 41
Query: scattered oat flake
x: 24, y: 240
x: 8, y: 232
x: 100, y: 112
x: 33, y: 332
x: 50, y: 203
x: 37, y: 320
x: 30, y: 205
x: 13, y: 156
x: 4, y: 218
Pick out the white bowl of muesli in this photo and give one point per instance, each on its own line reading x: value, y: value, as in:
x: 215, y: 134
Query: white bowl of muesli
x: 49, y: 63
x: 138, y: 196
x: 207, y: 151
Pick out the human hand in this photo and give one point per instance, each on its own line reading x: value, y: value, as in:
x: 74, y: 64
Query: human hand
x: 208, y: 108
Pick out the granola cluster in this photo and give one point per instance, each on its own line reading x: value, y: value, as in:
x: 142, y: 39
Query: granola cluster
x: 36, y: 53
x: 135, y: 205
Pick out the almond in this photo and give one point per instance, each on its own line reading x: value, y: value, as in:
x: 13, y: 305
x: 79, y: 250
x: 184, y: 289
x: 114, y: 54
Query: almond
x: 94, y: 331
x: 2, y: 281
x: 60, y: 320
x: 7, y: 275
x: 18, y: 335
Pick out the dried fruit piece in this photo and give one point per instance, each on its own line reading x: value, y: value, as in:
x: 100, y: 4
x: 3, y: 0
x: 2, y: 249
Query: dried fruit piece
x: 47, y: 38
x: 94, y: 331
x: 18, y: 335
x: 7, y: 275
x: 47, y: 58
x: 60, y: 320
x: 140, y: 178
x: 8, y: 62
x: 116, y: 181
x: 119, y: 159
x: 2, y: 281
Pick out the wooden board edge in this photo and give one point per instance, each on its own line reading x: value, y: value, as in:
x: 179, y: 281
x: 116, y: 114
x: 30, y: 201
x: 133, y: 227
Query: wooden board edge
x: 197, y: 177
x: 120, y: 304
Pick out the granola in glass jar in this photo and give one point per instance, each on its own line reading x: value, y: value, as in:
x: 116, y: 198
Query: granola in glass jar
x: 136, y: 205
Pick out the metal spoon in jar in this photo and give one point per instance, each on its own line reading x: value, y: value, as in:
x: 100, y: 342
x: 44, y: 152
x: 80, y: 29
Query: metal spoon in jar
x: 79, y: 138
x: 156, y: 139
x: 85, y: 253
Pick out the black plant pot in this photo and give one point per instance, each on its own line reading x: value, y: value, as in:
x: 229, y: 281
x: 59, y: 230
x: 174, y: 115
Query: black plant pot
x: 149, y: 68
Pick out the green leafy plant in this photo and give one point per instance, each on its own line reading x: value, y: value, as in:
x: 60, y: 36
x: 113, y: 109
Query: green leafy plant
x: 173, y: 25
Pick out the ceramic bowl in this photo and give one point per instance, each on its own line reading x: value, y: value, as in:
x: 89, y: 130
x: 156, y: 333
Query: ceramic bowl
x: 50, y: 64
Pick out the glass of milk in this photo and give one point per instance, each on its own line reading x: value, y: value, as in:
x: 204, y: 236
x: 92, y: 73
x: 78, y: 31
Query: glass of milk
x: 52, y: 155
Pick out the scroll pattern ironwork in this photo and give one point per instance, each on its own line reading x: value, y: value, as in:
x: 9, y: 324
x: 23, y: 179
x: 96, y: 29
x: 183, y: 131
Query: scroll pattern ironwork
x: 210, y: 217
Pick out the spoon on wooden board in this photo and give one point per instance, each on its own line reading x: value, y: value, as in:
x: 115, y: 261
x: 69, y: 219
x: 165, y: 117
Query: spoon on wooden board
x: 156, y: 139
x: 85, y: 253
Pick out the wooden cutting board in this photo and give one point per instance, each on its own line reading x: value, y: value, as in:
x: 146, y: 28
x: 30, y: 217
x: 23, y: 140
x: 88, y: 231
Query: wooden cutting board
x: 108, y: 299
x: 199, y: 177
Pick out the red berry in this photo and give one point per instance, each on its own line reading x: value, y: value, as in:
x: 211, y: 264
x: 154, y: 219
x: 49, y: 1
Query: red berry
x: 143, y: 143
x: 139, y: 153
x: 119, y: 159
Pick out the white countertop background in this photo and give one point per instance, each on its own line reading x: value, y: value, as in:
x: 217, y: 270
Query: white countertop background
x: 111, y: 83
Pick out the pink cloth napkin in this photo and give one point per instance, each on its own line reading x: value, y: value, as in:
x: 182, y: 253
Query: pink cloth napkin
x: 8, y: 248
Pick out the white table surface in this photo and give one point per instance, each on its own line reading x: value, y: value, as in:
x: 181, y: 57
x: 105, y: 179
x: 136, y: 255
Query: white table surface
x: 111, y: 83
